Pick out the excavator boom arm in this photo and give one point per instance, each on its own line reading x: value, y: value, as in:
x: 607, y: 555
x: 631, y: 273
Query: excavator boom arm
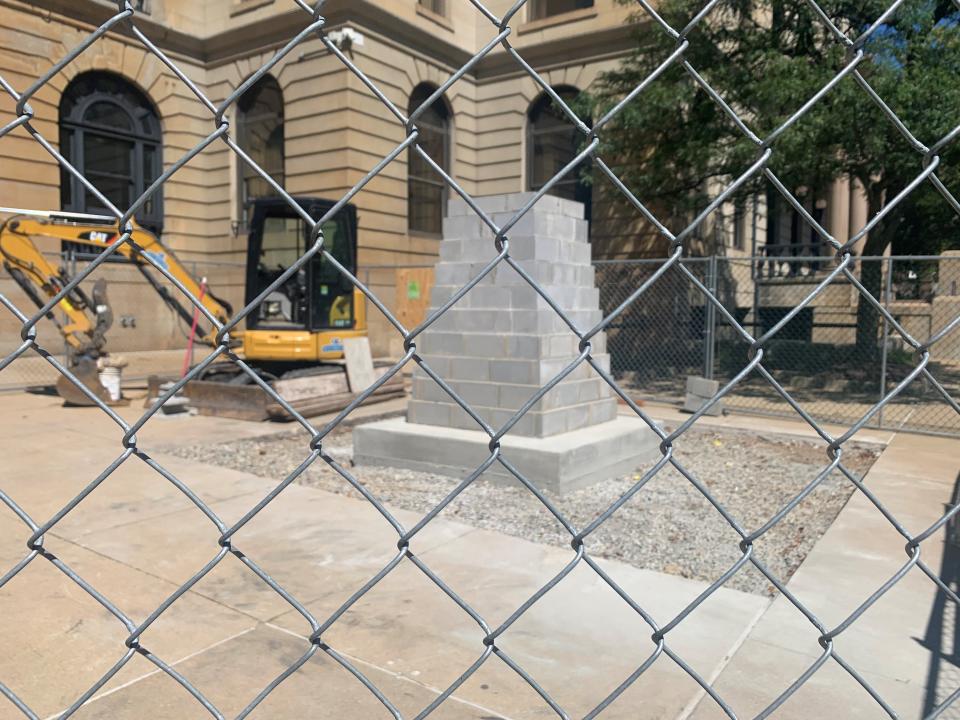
x: 42, y: 281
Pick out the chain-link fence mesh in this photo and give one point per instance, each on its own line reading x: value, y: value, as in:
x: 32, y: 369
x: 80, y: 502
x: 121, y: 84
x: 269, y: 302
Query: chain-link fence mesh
x: 747, y: 353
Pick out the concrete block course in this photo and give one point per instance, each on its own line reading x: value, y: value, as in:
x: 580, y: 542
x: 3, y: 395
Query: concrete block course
x: 469, y: 367
x: 475, y: 393
x: 560, y: 463
x: 516, y: 372
x: 425, y: 388
x: 428, y: 413
x: 523, y: 345
x: 438, y: 363
x: 502, y: 341
x: 702, y: 387
x: 463, y: 226
x: 544, y: 272
x: 699, y: 392
x: 451, y: 274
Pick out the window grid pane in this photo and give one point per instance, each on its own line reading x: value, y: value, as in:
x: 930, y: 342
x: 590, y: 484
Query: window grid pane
x: 425, y: 206
x: 260, y: 134
x: 426, y: 191
x: 553, y: 142
x: 110, y: 133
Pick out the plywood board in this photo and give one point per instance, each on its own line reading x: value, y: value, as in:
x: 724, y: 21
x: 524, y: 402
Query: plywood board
x: 413, y: 295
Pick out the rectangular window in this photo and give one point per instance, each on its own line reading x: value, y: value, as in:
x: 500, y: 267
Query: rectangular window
x: 109, y: 166
x: 426, y: 190
x: 66, y: 179
x: 425, y: 201
x: 548, y: 8
x: 551, y: 150
x: 151, y: 171
x: 772, y: 235
x: 283, y: 242
x: 435, y: 6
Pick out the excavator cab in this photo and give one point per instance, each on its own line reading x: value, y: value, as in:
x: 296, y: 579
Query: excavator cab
x: 307, y: 317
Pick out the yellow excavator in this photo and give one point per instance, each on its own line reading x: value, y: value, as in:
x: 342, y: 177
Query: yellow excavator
x: 298, y: 326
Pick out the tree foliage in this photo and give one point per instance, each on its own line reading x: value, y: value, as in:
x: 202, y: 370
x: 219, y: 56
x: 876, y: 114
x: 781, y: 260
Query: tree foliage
x: 766, y: 58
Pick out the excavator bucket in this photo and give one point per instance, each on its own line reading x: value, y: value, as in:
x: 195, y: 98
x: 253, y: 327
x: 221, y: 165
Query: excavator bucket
x: 86, y: 372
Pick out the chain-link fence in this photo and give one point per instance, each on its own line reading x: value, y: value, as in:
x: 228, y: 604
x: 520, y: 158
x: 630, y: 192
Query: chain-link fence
x: 744, y: 349
x: 815, y: 356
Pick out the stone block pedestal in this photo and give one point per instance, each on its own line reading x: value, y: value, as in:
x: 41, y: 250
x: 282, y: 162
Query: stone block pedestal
x: 499, y: 344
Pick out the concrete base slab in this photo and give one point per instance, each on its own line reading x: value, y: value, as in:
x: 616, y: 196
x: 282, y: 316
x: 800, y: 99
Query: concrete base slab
x: 557, y: 464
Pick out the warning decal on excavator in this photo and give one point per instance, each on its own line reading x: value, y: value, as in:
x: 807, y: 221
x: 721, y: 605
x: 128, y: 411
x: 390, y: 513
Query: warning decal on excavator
x: 335, y: 345
x: 158, y: 257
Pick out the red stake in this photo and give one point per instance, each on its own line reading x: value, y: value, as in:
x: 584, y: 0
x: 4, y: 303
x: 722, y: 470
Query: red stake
x: 188, y: 358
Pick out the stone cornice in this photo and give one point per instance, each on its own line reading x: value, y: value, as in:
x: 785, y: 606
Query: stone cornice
x: 275, y: 30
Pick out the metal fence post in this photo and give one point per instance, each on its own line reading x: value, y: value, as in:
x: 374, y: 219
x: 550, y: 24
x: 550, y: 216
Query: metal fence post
x: 887, y: 292
x: 710, y: 321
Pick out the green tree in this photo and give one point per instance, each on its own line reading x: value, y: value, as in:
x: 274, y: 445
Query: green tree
x: 766, y: 58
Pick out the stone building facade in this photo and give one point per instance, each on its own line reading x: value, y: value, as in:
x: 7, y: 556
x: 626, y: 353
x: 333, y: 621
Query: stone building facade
x: 317, y: 128
x: 333, y: 130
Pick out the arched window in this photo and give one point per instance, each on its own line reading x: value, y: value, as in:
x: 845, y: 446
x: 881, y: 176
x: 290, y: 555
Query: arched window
x: 260, y: 135
x: 552, y: 142
x: 426, y: 191
x: 110, y: 132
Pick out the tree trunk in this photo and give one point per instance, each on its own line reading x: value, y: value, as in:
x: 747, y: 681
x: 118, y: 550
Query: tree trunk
x: 871, y: 277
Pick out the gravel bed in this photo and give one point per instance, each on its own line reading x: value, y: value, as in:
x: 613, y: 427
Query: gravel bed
x: 667, y: 526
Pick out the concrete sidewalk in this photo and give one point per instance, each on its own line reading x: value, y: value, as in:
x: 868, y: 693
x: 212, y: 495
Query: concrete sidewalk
x: 896, y: 646
x: 136, y: 538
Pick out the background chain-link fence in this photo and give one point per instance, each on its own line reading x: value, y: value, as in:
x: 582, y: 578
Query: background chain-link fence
x: 655, y: 345
x: 745, y: 352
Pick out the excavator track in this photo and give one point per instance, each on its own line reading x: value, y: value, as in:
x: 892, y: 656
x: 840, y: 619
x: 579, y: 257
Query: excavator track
x: 314, y: 391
